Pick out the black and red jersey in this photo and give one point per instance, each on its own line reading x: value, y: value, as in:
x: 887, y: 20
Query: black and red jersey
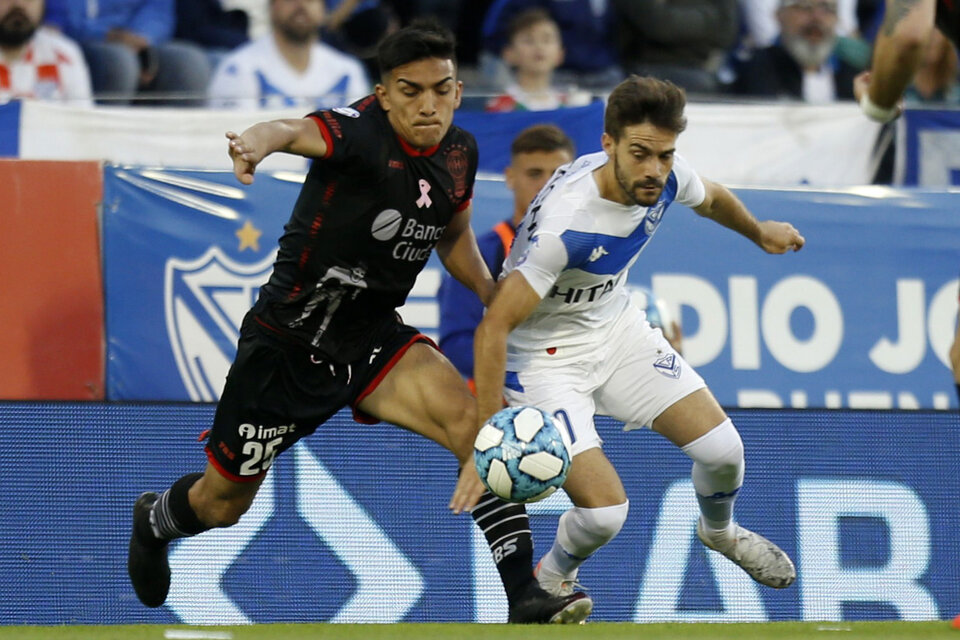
x: 364, y: 224
x: 948, y: 19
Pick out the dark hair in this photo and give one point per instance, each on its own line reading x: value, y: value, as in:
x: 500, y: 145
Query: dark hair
x: 640, y: 99
x: 526, y: 19
x: 422, y: 38
x: 541, y: 137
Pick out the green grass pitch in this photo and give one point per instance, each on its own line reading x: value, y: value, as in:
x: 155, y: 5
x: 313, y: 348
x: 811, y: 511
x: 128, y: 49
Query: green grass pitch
x: 595, y: 631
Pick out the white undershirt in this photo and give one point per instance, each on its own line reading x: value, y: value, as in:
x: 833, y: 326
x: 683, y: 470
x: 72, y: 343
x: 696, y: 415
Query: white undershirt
x: 818, y: 86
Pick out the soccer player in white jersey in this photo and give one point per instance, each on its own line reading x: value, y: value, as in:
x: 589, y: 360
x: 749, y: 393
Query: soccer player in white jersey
x: 289, y: 67
x: 562, y: 335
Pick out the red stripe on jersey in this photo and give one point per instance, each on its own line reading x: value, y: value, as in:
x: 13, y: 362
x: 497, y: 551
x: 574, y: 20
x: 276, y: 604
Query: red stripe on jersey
x: 47, y: 72
x: 413, y: 152
x: 463, y: 205
x: 366, y: 102
x: 325, y: 132
x: 4, y: 77
x: 226, y: 474
x: 359, y: 415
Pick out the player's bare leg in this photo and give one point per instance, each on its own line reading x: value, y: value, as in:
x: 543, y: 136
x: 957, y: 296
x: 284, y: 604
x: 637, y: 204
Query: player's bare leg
x: 424, y: 393
x: 702, y: 430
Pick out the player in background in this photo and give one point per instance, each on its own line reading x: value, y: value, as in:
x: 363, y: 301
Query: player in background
x: 562, y: 335
x: 898, y: 52
x: 535, y: 154
x: 391, y: 180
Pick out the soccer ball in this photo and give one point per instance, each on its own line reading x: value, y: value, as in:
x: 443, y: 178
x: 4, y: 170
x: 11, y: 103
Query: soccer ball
x: 521, y: 455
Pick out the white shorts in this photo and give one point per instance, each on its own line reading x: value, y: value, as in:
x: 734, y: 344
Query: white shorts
x: 633, y: 377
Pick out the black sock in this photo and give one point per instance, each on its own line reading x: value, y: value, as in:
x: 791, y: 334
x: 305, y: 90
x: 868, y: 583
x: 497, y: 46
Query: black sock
x: 172, y: 516
x: 507, y: 529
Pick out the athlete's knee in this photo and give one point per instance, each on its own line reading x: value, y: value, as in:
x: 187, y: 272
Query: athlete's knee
x: 719, y: 452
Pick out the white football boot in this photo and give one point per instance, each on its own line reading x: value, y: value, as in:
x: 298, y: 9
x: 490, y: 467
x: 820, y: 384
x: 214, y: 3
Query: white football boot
x: 763, y: 561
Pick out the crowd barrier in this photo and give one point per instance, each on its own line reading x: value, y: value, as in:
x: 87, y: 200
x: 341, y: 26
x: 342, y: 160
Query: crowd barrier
x: 351, y: 524
x: 746, y: 144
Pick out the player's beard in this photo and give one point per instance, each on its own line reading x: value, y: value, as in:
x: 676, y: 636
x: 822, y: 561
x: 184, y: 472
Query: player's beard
x: 631, y: 190
x: 300, y: 33
x: 16, y: 28
x: 809, y: 54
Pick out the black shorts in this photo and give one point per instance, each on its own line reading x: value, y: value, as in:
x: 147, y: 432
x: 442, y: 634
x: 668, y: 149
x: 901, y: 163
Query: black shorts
x: 278, y: 391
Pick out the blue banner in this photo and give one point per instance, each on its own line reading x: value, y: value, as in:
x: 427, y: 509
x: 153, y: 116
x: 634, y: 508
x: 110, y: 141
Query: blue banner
x: 862, y: 317
x: 864, y: 502
x: 930, y: 148
x: 10, y: 129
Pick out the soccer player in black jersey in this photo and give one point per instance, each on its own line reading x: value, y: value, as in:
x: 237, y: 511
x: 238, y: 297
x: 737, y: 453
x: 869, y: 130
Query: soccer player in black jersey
x: 392, y: 179
x: 898, y: 52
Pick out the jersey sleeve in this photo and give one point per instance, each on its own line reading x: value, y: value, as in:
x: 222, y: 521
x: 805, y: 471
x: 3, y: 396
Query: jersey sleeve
x: 350, y: 133
x: 690, y: 189
x: 544, y: 260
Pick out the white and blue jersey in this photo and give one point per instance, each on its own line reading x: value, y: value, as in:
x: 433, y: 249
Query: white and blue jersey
x: 575, y: 249
x: 256, y: 76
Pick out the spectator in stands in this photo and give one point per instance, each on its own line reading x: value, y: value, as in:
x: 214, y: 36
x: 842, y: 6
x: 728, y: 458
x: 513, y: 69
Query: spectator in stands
x: 533, y: 52
x: 590, y: 59
x: 37, y: 62
x: 684, y: 41
x: 128, y: 45
x: 762, y: 27
x: 211, y: 25
x: 801, y: 64
x: 289, y: 66
x: 535, y: 154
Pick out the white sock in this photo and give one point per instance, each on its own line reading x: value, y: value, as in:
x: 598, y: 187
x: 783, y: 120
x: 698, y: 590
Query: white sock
x: 717, y: 476
x: 580, y: 533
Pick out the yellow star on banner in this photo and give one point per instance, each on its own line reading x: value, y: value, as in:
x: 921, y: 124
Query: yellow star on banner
x: 249, y: 237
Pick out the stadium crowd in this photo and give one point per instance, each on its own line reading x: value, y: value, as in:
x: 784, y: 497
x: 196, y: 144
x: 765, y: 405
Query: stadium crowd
x: 526, y: 55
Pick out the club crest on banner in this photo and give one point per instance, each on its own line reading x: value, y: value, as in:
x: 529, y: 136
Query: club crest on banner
x: 204, y: 303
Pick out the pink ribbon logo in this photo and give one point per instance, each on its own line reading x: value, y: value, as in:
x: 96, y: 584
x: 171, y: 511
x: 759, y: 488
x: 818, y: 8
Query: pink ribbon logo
x: 424, y: 200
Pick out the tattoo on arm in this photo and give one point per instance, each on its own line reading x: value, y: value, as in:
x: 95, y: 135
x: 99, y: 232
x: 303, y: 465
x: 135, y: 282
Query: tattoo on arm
x: 897, y: 10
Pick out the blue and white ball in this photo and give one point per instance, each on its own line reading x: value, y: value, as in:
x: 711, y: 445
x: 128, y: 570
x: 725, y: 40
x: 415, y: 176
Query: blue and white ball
x: 521, y: 454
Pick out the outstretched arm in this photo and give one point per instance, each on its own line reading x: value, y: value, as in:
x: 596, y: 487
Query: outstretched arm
x: 897, y: 53
x: 301, y: 137
x: 514, y: 301
x: 721, y: 206
x: 458, y: 251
